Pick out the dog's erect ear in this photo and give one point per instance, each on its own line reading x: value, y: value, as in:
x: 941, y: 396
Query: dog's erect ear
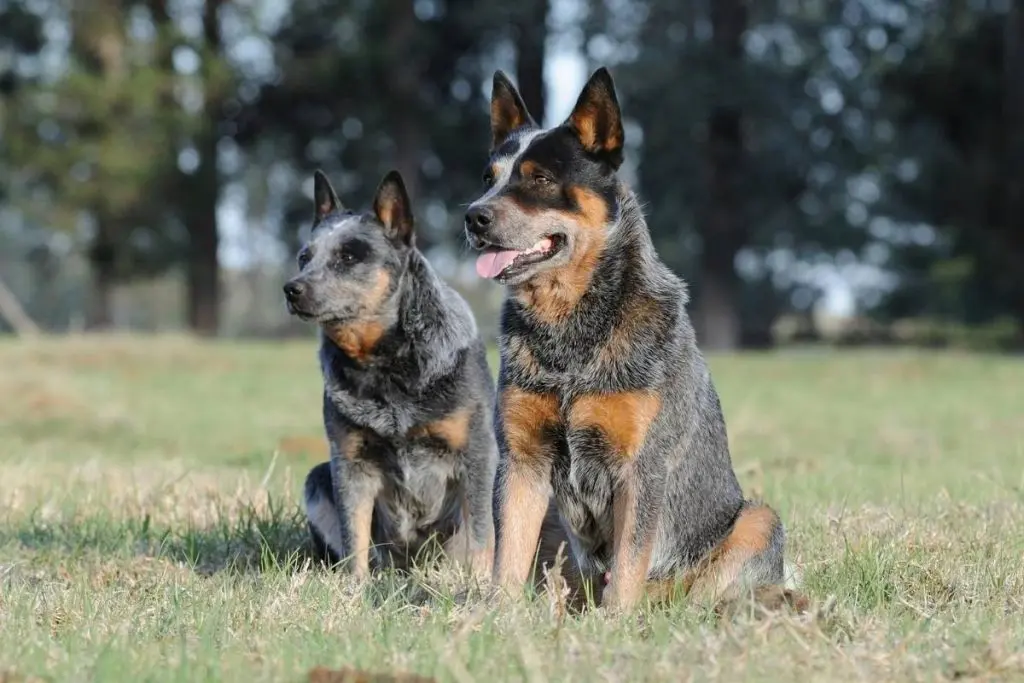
x: 508, y: 111
x: 325, y: 201
x: 393, y: 209
x: 597, y: 120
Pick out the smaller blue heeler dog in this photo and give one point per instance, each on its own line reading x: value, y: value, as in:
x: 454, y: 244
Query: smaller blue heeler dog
x: 408, y: 396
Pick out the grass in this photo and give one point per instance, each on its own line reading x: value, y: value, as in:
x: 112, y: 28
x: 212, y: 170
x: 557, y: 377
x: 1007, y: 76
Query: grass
x: 150, y: 529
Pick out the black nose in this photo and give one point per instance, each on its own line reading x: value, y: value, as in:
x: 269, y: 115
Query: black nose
x: 478, y: 219
x: 293, y: 290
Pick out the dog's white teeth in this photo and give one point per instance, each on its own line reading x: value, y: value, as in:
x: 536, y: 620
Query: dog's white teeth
x: 541, y: 246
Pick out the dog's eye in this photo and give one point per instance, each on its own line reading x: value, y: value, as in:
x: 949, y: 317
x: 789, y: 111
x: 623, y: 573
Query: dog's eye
x: 345, y: 258
x: 541, y: 179
x: 304, y: 257
x: 488, y: 178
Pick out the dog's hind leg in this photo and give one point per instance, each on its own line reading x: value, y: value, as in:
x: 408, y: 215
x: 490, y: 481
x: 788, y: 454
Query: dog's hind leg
x: 323, y: 516
x: 749, y: 558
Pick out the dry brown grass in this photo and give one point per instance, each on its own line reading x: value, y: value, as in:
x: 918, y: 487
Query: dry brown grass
x: 150, y: 530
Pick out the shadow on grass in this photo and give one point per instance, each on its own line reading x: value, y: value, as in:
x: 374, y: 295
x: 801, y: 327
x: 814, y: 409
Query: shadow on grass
x: 250, y: 541
x: 272, y: 539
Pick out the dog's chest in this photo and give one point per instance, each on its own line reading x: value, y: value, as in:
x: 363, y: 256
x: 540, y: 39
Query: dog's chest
x: 419, y: 493
x: 582, y: 482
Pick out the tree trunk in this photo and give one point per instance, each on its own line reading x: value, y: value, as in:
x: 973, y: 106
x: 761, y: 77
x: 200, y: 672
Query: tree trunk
x: 723, y: 228
x: 403, y: 79
x: 531, y: 30
x: 203, y: 281
x: 717, y: 318
x: 1013, y: 83
x: 99, y: 313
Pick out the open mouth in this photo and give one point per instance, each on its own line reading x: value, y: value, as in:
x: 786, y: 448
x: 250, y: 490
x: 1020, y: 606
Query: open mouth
x: 500, y: 264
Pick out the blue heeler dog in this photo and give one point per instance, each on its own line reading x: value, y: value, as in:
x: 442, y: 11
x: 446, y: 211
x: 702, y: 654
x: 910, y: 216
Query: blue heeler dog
x: 408, y: 397
x: 606, y: 405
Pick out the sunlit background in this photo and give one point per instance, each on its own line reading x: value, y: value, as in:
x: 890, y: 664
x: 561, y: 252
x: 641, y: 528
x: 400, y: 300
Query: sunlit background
x: 846, y: 170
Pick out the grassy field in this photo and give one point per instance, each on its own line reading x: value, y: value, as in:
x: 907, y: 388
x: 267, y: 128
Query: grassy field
x: 150, y: 529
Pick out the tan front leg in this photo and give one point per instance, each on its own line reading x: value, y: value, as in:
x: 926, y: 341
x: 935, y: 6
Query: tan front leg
x: 524, y: 501
x: 524, y: 481
x: 361, y: 518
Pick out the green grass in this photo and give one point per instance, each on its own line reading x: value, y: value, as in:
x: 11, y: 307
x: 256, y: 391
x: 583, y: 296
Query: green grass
x: 150, y: 529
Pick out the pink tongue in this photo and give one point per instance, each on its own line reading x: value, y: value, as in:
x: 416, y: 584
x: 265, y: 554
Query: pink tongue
x: 491, y: 264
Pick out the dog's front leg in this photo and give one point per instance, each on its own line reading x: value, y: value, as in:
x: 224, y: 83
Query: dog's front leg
x: 479, y: 506
x: 357, y: 481
x: 358, y: 497
x: 623, y: 420
x: 523, y: 484
x: 636, y: 505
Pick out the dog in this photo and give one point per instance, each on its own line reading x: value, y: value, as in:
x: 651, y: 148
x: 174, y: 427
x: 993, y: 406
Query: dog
x: 408, y: 394
x: 605, y: 404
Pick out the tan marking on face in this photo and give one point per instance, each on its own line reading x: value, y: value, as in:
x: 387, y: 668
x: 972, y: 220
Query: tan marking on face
x: 376, y: 294
x: 358, y: 339
x: 553, y: 294
x: 525, y: 418
x: 452, y: 429
x: 623, y: 418
x: 592, y: 208
x: 527, y: 169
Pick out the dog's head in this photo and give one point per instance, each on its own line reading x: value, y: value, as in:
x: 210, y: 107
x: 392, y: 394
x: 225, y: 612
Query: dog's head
x: 351, y: 265
x: 550, y: 194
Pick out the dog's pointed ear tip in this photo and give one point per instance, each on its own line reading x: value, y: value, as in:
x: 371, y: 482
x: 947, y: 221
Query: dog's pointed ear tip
x: 393, y: 180
x: 500, y: 78
x: 603, y: 77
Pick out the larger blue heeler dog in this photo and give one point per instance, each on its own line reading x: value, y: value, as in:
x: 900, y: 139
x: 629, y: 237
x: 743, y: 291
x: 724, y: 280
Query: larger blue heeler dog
x: 606, y: 405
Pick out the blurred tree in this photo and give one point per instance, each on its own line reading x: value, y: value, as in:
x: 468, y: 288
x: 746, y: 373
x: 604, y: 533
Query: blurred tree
x: 960, y: 99
x: 21, y: 37
x: 364, y: 87
x: 84, y: 143
x: 530, y: 32
x: 723, y: 226
x: 202, y: 186
x: 762, y: 140
x: 118, y: 148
